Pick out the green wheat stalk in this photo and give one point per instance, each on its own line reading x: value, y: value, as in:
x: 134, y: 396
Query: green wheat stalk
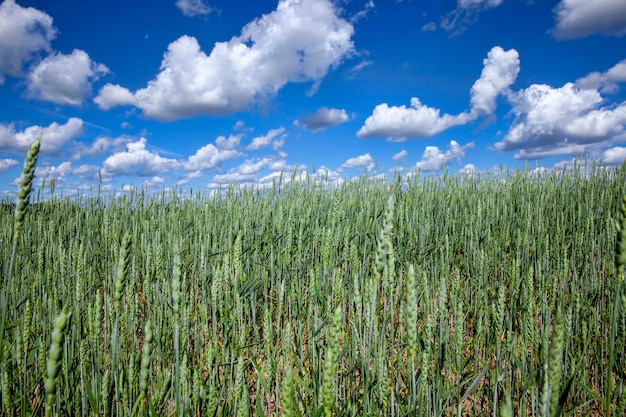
x: 22, y: 199
x: 55, y: 355
x: 331, y: 363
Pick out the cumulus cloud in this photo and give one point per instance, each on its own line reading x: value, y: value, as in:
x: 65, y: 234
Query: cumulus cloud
x: 275, y: 138
x: 52, y: 137
x: 6, y: 164
x: 114, y: 95
x: 212, y: 156
x: 64, y: 79
x: 191, y: 8
x: 87, y: 172
x: 500, y: 70
x: 401, y: 122
x: 24, y: 31
x: 469, y: 170
x: 58, y: 172
x: 247, y: 171
x: 567, y: 120
x: 155, y: 182
x: 614, y: 156
x: 433, y: 158
x: 231, y: 178
x: 397, y: 158
x: 323, y: 175
x: 290, y: 172
x: 323, y: 118
x: 139, y: 161
x: 581, y: 18
x: 606, y: 82
x: 546, y: 151
x: 189, y: 176
x: 298, y: 42
x: 362, y: 161
x: 101, y: 146
x: 549, y: 121
x: 228, y: 143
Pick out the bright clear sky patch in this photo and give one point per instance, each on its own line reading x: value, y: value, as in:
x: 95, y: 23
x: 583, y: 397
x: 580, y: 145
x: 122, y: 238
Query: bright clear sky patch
x: 204, y: 93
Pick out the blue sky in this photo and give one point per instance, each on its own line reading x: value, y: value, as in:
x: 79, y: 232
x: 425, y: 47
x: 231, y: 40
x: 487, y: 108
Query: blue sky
x: 204, y: 93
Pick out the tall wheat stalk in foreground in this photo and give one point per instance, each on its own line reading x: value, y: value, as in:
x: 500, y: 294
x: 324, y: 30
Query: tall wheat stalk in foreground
x: 121, y: 279
x: 55, y: 356
x: 22, y: 198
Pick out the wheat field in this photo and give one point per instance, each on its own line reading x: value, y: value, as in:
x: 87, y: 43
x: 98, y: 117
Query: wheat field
x: 497, y: 294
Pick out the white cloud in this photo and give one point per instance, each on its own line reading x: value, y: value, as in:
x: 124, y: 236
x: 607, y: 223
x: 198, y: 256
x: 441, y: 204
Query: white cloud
x: 298, y: 42
x: 614, y: 156
x: 597, y: 124
x: 86, y: 171
x: 52, y: 137
x: 433, y: 157
x: 275, y: 138
x: 469, y: 170
x: 113, y: 95
x: 209, y: 157
x: 268, y: 180
x: 68, y: 177
x: 155, y: 182
x: 362, y: 13
x: 64, y: 79
x: 139, y: 161
x: 6, y: 164
x: 101, y: 146
x: 189, y: 176
x: 255, y: 166
x: 212, y: 156
x: 362, y: 161
x: 324, y: 118
x: 231, y: 178
x: 24, y: 31
x: 418, y: 121
x: 607, y: 81
x: 500, y: 70
x: 566, y: 120
x: 397, y: 158
x: 193, y: 8
x: 580, y: 165
x: 324, y: 175
x: 546, y: 151
x: 244, y: 173
x: 57, y: 172
x: 248, y: 171
x: 465, y: 14
x: 540, y: 171
x: 581, y: 18
x: 227, y: 143
x: 7, y: 136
